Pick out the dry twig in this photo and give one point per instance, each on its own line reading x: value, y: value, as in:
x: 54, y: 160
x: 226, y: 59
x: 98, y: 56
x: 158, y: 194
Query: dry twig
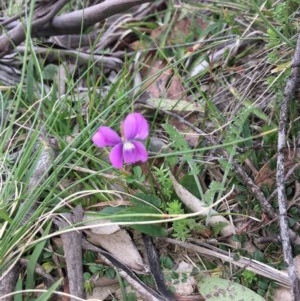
x: 280, y: 174
x: 8, y: 283
x: 245, y: 263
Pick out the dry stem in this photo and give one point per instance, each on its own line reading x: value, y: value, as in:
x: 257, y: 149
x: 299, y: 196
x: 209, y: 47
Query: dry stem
x: 280, y: 174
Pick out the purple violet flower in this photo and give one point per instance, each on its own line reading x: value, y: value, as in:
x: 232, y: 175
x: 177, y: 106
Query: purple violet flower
x: 128, y: 148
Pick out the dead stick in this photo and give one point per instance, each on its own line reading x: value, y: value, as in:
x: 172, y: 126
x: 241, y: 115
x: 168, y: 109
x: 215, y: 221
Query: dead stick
x: 73, y: 251
x: 8, y: 283
x: 75, y: 22
x: 17, y: 35
x: 280, y: 174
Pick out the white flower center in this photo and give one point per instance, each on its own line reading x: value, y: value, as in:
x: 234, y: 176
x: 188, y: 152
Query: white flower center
x: 128, y: 146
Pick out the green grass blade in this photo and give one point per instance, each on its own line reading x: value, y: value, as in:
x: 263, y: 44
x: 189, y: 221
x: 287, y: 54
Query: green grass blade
x: 30, y: 279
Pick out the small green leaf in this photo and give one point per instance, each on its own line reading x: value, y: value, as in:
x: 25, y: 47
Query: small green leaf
x: 4, y: 216
x: 141, y: 213
x: 110, y: 273
x: 152, y: 230
x: 30, y: 279
x: 167, y: 262
x: 179, y: 142
x: 48, y: 266
x: 135, y: 214
x: 50, y: 71
x: 148, y: 198
x: 189, y: 183
x: 214, y: 189
x: 87, y: 276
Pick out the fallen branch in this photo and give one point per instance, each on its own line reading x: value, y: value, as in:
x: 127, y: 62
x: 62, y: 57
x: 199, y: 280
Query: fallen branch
x: 45, y: 23
x: 280, y: 173
x: 243, y: 262
x: 73, y: 252
x: 17, y: 35
x: 75, y: 22
x: 8, y: 283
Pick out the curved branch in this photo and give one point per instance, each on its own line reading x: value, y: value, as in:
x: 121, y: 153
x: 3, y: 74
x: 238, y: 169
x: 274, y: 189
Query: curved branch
x: 18, y: 34
x: 75, y: 22
x: 46, y: 24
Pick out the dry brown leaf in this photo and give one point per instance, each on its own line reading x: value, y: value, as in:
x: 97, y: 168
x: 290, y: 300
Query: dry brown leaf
x: 189, y: 134
x: 120, y: 245
x: 115, y: 240
x: 103, y: 292
x: 155, y: 77
x: 166, y: 86
x: 182, y: 28
x: 175, y: 89
x: 266, y: 176
x: 161, y: 80
x: 187, y: 26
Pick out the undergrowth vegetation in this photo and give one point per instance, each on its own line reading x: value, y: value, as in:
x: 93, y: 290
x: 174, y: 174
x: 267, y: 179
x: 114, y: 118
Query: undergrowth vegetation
x: 209, y: 78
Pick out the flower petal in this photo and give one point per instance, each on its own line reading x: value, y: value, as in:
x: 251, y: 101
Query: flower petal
x: 105, y: 136
x: 116, y: 156
x: 134, y: 153
x: 135, y: 126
